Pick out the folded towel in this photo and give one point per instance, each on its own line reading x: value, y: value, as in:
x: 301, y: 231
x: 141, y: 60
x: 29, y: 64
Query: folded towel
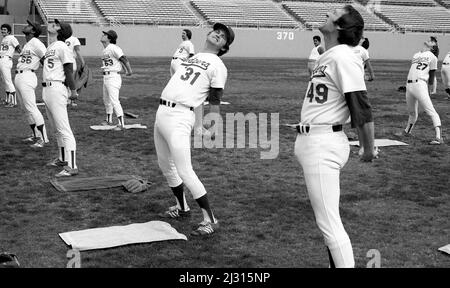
x: 90, y: 183
x: 382, y: 143
x: 101, y: 238
x: 111, y: 127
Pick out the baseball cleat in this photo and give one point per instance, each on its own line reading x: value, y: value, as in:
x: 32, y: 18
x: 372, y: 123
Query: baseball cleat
x: 57, y: 163
x: 403, y: 133
x: 175, y: 213
x: 39, y: 144
x: 67, y: 172
x: 10, y: 105
x: 106, y: 123
x: 119, y: 128
x: 205, y: 228
x: 437, y: 141
x: 31, y: 139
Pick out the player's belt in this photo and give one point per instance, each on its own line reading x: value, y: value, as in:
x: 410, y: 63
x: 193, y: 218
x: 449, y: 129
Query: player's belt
x: 173, y: 104
x: 318, y: 129
x: 445, y: 63
x: 5, y: 57
x: 413, y: 81
x: 109, y: 72
x: 50, y: 83
x: 174, y: 58
x: 23, y: 71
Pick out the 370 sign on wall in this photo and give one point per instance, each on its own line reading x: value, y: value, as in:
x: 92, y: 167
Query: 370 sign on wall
x: 285, y: 35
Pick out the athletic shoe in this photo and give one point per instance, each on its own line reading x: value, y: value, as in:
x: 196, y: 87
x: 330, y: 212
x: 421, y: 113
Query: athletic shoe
x: 119, y: 128
x: 106, y: 123
x: 437, y: 141
x: 202, y: 131
x: 10, y: 105
x: 402, y: 134
x: 39, y: 144
x: 205, y: 228
x: 175, y: 213
x: 67, y: 172
x: 31, y: 139
x: 57, y: 163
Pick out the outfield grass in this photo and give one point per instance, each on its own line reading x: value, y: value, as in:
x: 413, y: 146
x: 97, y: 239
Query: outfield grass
x: 399, y: 204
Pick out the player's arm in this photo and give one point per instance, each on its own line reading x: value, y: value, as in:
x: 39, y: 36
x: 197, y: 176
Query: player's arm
x: 18, y: 49
x: 70, y: 82
x: 215, y: 95
x: 79, y: 56
x: 368, y: 65
x: 432, y: 74
x: 361, y: 115
x: 321, y: 50
x: 126, y: 64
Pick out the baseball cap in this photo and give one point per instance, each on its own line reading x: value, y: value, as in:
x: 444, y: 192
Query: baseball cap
x: 228, y: 31
x: 66, y: 29
x: 112, y: 34
x: 36, y: 28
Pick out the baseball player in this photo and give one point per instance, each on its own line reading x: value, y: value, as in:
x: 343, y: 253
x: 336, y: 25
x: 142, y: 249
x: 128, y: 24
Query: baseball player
x: 335, y: 91
x: 445, y: 73
x: 8, y: 45
x: 184, y: 51
x: 435, y: 51
x: 74, y: 45
x: 202, y: 75
x: 57, y: 73
x: 421, y: 74
x: 26, y: 81
x: 363, y: 53
x: 113, y: 58
x: 315, y: 53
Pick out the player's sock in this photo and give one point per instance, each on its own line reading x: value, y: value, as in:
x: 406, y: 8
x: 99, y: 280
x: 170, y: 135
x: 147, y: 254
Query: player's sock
x: 62, y: 155
x: 179, y: 195
x: 121, y: 122
x: 330, y: 258
x: 109, y: 118
x: 33, y: 126
x: 41, y: 129
x: 72, y: 159
x: 409, y: 128
x: 438, y: 132
x: 207, y: 212
x: 8, y: 97
x: 448, y: 91
x: 14, y: 98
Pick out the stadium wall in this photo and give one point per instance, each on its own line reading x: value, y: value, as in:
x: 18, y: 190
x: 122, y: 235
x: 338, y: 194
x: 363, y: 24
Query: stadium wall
x: 140, y: 40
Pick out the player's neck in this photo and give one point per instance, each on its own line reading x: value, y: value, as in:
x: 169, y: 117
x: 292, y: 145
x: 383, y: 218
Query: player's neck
x: 105, y: 44
x: 209, y: 49
x: 52, y: 39
x: 330, y: 42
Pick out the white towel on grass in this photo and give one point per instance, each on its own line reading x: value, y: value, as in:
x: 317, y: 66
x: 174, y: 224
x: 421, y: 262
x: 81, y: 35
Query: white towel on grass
x: 381, y: 143
x: 445, y: 249
x: 111, y: 127
x: 100, y: 238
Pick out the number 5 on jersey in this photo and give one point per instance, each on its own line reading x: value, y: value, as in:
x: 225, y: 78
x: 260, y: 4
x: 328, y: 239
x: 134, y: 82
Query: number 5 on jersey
x: 320, y: 94
x: 187, y: 76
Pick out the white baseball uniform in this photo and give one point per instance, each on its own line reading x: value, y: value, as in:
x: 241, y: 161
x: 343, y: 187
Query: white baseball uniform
x: 73, y: 42
x: 7, y: 48
x: 322, y: 147
x: 26, y: 80
x: 55, y: 96
x: 362, y: 52
x: 445, y: 70
x: 313, y: 57
x: 112, y: 81
x: 187, y: 89
x: 417, y: 88
x: 181, y: 54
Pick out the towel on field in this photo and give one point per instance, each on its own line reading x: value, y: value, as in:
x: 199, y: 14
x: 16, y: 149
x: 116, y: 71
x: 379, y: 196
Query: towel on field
x: 382, y: 143
x: 73, y: 184
x: 108, y: 237
x: 111, y: 127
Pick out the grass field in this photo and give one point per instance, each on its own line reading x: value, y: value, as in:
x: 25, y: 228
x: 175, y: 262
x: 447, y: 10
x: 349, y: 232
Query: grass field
x: 399, y: 205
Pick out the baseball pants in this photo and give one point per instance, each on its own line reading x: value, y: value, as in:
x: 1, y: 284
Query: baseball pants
x: 55, y: 98
x: 5, y: 69
x: 322, y: 156
x: 26, y: 84
x: 172, y: 136
x: 111, y: 89
x: 417, y: 94
x: 445, y: 73
x: 174, y: 65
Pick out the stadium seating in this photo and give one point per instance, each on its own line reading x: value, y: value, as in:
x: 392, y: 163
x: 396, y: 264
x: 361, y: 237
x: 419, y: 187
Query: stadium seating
x: 418, y: 18
x: 408, y: 2
x: 312, y: 14
x: 246, y: 13
x: 445, y: 3
x: 167, y: 12
x: 66, y: 10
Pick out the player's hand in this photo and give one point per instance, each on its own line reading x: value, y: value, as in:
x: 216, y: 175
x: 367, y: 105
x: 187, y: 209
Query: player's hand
x: 129, y: 73
x: 370, y: 78
x: 73, y: 95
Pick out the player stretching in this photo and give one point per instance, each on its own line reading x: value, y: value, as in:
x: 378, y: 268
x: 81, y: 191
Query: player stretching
x: 8, y: 45
x: 445, y: 73
x: 315, y: 53
x: 202, y: 75
x: 58, y: 72
x: 74, y: 45
x: 113, y: 59
x: 336, y: 91
x: 26, y: 81
x: 421, y: 74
